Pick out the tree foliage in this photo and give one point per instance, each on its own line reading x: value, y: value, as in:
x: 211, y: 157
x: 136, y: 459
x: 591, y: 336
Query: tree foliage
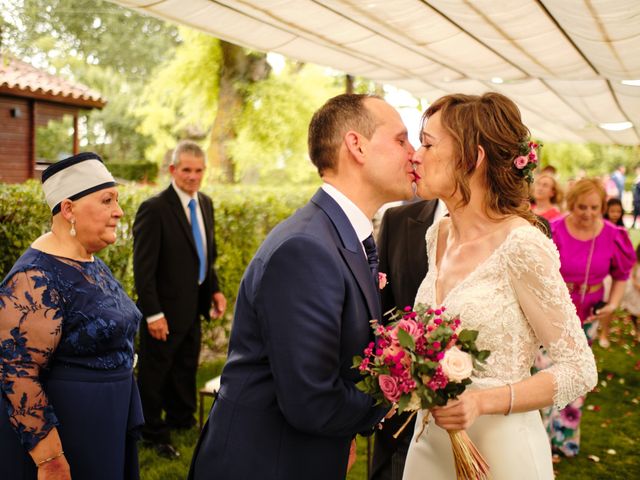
x: 262, y: 136
x: 592, y: 159
x: 83, y: 41
x: 271, y: 146
x: 180, y: 101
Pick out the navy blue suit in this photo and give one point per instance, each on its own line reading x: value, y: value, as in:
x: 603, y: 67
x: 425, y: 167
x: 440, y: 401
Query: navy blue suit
x: 288, y: 406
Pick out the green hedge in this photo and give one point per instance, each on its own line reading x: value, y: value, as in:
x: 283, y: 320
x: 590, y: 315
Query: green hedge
x: 136, y: 171
x: 244, y: 216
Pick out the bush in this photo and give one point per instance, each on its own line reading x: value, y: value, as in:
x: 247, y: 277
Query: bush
x: 244, y: 216
x: 136, y: 171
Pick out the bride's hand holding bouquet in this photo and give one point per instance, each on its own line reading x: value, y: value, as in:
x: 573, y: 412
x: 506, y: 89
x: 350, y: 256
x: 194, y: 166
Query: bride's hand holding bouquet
x: 423, y: 360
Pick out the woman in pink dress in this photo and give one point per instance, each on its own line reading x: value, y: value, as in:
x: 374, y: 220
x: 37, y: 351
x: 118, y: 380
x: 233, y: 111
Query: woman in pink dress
x: 590, y: 249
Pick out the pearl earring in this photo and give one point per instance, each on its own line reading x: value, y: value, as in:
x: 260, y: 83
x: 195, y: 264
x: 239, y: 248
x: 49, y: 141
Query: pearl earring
x: 72, y: 231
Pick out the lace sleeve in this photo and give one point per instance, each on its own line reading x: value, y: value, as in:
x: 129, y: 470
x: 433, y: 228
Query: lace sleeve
x: 30, y: 327
x: 534, y: 270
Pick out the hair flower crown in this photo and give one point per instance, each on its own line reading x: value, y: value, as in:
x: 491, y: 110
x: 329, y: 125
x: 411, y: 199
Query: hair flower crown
x: 527, y: 161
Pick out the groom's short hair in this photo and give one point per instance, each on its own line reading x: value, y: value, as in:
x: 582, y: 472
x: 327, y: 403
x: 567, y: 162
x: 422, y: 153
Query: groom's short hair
x: 332, y: 121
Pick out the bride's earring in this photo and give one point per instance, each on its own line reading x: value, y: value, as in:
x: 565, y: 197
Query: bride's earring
x: 72, y: 231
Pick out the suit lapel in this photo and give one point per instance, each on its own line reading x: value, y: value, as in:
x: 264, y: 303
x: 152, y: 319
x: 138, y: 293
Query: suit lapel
x: 351, y: 251
x: 416, y: 229
x: 178, y: 212
x: 207, y: 216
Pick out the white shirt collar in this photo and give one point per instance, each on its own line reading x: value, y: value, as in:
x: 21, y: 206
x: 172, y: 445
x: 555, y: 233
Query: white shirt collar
x: 183, y: 196
x: 441, y: 211
x: 359, y: 221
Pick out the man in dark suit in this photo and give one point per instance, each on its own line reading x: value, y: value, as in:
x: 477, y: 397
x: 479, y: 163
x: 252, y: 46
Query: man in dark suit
x: 403, y: 257
x: 174, y: 250
x: 288, y: 407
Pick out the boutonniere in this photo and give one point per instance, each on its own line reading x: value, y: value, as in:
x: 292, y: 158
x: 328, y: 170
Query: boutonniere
x: 382, y: 280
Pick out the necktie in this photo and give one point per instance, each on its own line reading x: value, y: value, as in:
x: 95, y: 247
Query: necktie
x: 372, y: 256
x: 197, y: 236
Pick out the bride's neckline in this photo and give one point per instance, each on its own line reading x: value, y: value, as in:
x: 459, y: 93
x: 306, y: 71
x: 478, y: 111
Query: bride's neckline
x: 480, y: 265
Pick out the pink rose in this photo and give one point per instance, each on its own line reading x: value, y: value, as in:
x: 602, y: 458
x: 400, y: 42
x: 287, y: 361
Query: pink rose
x: 457, y: 365
x: 382, y: 280
x: 389, y: 387
x: 521, y: 162
x: 411, y: 327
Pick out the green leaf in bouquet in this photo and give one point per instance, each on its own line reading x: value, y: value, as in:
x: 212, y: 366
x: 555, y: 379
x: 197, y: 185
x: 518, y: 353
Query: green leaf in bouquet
x: 483, y: 355
x: 357, y: 360
x: 362, y: 386
x: 403, y: 402
x: 406, y: 340
x: 428, y: 398
x: 468, y: 335
x: 454, y: 389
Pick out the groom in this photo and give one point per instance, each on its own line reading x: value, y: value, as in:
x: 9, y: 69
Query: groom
x: 288, y: 407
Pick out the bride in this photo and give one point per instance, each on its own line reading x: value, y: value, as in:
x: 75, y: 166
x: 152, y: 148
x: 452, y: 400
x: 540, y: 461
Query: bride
x: 492, y: 265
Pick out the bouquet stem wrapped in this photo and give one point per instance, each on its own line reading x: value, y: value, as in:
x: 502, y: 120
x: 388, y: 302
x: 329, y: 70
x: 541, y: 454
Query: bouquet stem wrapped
x: 421, y: 360
x: 470, y: 465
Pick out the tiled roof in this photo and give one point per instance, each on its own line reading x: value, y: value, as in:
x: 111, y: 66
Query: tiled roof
x: 20, y: 78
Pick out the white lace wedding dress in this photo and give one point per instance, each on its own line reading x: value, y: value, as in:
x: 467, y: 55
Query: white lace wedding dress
x: 517, y: 301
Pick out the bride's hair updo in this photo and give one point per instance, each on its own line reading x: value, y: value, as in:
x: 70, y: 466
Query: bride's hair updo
x: 493, y: 122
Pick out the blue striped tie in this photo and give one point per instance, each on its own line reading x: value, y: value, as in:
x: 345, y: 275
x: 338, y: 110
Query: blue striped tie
x: 197, y: 236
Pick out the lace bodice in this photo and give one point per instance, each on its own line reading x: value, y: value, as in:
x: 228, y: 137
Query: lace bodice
x: 64, y: 312
x: 517, y: 301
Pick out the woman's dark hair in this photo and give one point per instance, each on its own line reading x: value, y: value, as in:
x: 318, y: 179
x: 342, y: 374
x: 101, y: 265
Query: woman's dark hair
x: 610, y: 203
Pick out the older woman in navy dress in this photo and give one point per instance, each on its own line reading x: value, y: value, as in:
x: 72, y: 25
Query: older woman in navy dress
x: 69, y: 406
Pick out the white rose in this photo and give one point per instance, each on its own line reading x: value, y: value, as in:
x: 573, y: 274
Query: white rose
x: 456, y: 364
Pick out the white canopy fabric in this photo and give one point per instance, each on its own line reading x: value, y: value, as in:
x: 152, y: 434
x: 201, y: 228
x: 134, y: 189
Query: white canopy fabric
x: 562, y: 61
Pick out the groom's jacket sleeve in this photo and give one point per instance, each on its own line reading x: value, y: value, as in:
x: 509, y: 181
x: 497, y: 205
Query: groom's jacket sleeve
x: 300, y: 299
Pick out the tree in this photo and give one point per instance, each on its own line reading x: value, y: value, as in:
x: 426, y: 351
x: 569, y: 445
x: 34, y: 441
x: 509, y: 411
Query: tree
x: 251, y: 120
x: 82, y: 40
x: 239, y: 70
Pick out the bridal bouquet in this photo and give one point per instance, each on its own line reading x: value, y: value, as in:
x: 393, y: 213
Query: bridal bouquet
x: 423, y: 359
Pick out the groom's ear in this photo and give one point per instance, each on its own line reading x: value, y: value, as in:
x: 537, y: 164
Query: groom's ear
x: 354, y: 143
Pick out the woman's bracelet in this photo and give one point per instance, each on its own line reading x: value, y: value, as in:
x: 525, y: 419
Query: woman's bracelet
x: 47, y: 460
x: 511, y: 397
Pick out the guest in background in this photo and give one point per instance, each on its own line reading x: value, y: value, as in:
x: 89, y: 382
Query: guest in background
x: 618, y: 177
x: 547, y: 196
x: 69, y: 405
x: 614, y: 212
x: 610, y: 187
x: 174, y: 250
x: 631, y: 299
x: 636, y: 197
x: 590, y: 249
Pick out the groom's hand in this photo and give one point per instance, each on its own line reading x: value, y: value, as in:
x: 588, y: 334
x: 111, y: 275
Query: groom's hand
x: 353, y: 453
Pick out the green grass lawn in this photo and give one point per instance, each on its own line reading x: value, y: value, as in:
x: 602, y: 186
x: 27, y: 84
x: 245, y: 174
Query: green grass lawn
x: 609, y: 426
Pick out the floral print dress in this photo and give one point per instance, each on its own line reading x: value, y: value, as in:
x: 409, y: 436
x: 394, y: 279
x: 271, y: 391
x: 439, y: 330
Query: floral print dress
x: 613, y: 254
x: 67, y: 332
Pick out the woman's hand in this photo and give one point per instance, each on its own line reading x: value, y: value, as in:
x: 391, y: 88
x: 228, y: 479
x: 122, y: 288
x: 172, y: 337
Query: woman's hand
x: 56, y: 469
x: 603, y: 312
x: 459, y: 414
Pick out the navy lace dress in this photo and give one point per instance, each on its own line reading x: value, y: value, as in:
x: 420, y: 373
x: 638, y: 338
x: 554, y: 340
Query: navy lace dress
x: 67, y: 333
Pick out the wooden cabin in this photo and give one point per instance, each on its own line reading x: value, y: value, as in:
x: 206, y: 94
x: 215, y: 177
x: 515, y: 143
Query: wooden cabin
x: 29, y: 100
